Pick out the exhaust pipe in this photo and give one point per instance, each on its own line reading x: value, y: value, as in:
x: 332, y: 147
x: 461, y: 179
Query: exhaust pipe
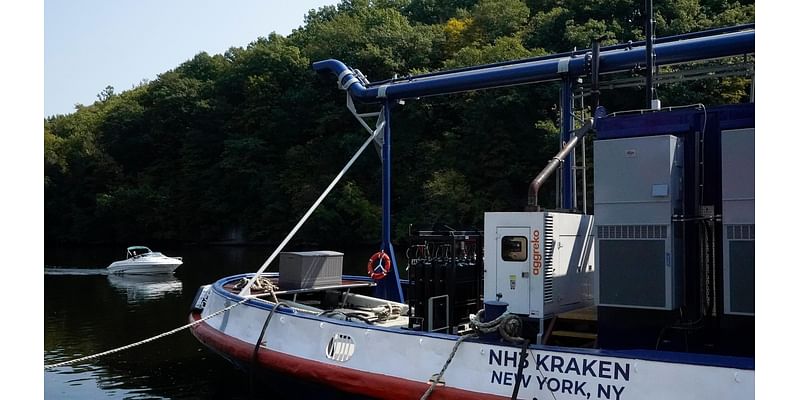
x: 536, y: 183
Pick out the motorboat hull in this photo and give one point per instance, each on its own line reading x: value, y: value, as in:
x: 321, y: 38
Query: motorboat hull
x: 146, y: 266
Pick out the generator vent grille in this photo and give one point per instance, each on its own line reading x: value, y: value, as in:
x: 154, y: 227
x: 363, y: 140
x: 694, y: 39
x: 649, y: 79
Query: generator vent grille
x: 740, y: 232
x: 549, y: 246
x: 632, y: 232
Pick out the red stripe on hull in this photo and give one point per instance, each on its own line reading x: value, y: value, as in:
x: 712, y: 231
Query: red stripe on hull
x: 339, y: 377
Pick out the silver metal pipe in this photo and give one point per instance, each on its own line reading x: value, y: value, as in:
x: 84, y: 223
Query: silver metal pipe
x: 583, y: 163
x: 650, y: 57
x: 555, y: 162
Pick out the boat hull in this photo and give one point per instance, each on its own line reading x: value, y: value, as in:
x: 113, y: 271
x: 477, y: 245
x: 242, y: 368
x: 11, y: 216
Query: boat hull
x: 357, y: 382
x: 145, y: 266
x: 392, y: 363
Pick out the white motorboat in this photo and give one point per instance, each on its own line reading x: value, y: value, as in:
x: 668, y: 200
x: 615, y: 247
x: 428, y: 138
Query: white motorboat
x: 141, y: 260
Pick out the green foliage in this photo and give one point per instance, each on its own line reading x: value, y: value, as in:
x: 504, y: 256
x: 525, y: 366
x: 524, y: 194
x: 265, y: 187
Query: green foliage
x: 435, y: 11
x: 498, y: 18
x: 135, y: 211
x: 379, y: 40
x: 245, y: 141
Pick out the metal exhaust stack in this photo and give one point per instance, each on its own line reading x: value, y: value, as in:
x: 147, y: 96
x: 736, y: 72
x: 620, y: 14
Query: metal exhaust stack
x: 552, y: 166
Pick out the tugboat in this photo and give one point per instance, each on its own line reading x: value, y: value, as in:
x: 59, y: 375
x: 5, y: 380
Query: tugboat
x: 651, y: 297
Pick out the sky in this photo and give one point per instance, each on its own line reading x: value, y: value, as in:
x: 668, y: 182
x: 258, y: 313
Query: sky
x: 90, y: 44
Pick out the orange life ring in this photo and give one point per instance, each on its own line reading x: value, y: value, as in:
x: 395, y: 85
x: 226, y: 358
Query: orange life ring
x: 378, y: 272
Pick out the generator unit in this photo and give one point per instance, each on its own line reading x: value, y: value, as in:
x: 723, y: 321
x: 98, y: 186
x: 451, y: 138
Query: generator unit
x: 540, y: 263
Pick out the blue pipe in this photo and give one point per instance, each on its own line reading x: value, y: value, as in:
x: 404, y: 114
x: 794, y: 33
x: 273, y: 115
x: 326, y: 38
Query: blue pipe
x: 665, y: 39
x: 695, y: 49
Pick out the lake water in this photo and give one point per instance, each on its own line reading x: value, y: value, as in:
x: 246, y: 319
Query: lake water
x: 87, y: 311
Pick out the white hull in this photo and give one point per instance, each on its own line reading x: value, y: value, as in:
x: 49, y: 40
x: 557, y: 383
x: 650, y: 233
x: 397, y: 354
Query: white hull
x: 397, y: 363
x: 146, y: 265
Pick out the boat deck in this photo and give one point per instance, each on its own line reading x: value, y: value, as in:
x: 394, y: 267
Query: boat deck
x: 333, y: 301
x: 345, y: 285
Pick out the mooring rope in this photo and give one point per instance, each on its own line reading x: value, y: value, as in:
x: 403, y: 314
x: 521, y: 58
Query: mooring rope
x: 148, y: 340
x: 262, y: 338
x: 446, y: 364
x: 523, y: 352
x: 509, y: 326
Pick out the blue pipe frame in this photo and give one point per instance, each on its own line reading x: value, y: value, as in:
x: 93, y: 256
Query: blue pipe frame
x: 695, y: 46
x: 616, y: 60
x: 684, y: 36
x: 389, y: 287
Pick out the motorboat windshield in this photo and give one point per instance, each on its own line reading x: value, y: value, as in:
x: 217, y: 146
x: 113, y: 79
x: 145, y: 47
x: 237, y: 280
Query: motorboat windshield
x: 135, y: 251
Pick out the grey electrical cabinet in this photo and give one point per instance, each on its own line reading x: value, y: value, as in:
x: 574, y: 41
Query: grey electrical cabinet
x: 638, y: 188
x: 738, y: 220
x: 306, y: 269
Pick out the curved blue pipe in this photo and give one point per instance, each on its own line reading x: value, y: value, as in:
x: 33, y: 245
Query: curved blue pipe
x: 617, y: 60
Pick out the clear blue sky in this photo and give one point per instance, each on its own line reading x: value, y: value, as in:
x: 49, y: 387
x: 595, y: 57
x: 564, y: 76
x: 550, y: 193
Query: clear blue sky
x: 89, y: 44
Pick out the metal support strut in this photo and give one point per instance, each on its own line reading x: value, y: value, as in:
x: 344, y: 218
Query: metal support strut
x: 389, y: 287
x: 650, y: 56
x: 567, y: 171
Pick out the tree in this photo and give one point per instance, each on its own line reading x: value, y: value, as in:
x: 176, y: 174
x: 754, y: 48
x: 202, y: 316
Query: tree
x: 498, y: 18
x: 247, y: 139
x: 106, y: 94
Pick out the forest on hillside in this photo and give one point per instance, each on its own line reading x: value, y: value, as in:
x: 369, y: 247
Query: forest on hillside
x: 240, y: 144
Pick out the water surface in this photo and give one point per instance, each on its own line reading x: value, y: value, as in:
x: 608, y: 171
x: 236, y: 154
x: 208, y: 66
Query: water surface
x: 87, y: 311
